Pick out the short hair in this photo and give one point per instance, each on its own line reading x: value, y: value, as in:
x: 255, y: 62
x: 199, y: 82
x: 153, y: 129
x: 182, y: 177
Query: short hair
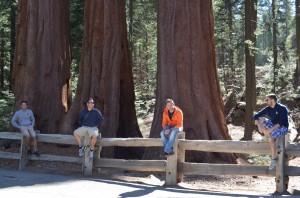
x: 90, y: 98
x: 170, y: 100
x: 24, y: 101
x: 272, y: 96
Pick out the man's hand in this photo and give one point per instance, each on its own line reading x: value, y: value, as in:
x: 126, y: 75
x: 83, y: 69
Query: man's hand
x: 167, y: 131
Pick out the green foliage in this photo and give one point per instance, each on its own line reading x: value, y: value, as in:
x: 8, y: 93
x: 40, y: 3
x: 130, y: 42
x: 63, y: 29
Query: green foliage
x: 142, y: 34
x: 6, y: 109
x: 262, y: 160
x: 76, y: 31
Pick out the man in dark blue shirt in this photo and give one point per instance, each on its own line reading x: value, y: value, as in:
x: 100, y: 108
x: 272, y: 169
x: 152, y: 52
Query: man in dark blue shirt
x: 89, y: 121
x: 275, y: 126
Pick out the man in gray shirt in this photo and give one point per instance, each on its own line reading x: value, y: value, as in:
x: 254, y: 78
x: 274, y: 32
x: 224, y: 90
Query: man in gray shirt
x: 24, y: 120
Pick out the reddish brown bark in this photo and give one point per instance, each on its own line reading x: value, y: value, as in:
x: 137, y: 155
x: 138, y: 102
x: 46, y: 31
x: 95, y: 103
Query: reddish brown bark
x: 41, y: 70
x: 105, y: 71
x: 187, y: 72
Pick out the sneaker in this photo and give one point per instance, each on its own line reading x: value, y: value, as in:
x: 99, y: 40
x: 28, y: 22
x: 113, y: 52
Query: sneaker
x: 36, y: 153
x: 272, y: 164
x: 29, y: 152
x: 81, y: 151
x: 91, y: 154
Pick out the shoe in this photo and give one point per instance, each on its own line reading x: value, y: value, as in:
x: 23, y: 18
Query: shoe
x: 36, y: 153
x: 272, y: 164
x: 81, y: 151
x: 91, y: 154
x: 29, y: 152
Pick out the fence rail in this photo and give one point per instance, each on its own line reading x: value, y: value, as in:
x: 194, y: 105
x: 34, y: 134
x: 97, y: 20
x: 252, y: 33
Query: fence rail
x: 174, y: 166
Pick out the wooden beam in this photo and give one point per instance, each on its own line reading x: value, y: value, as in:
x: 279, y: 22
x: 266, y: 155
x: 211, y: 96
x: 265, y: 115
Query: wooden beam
x: 23, y: 154
x: 226, y: 146
x: 138, y: 165
x: 9, y: 155
x: 225, y: 169
x: 56, y: 139
x: 11, y: 135
x: 130, y: 142
x: 180, y: 159
x: 292, y: 171
x: 56, y: 158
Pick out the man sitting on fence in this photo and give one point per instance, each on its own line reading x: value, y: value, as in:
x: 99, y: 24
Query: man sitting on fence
x: 172, y: 125
x: 275, y: 126
x: 89, y: 121
x: 24, y: 120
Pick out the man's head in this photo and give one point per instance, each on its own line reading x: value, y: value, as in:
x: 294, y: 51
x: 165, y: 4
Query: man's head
x: 24, y: 104
x: 170, y: 104
x: 90, y: 103
x: 271, y: 100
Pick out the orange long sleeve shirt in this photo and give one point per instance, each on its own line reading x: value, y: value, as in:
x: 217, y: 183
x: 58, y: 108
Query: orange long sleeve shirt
x: 177, y: 119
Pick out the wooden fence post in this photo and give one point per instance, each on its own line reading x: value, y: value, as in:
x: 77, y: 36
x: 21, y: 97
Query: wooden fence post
x: 280, y: 165
x: 23, y: 154
x: 98, y: 152
x: 287, y: 142
x: 171, y: 171
x: 87, y: 163
x: 180, y: 159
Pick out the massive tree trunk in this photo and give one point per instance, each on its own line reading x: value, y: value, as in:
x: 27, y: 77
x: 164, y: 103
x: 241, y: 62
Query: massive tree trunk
x: 105, y: 71
x: 2, y: 57
x: 41, y: 71
x: 250, y: 38
x: 187, y: 72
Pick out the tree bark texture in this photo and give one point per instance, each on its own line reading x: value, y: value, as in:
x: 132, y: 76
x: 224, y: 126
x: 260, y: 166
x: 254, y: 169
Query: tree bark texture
x: 13, y: 10
x: 250, y: 28
x: 41, y: 70
x: 187, y: 72
x: 105, y: 72
x: 297, y: 3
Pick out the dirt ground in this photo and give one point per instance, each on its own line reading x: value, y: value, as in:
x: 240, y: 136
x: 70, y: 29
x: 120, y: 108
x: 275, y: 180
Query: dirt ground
x: 214, y: 183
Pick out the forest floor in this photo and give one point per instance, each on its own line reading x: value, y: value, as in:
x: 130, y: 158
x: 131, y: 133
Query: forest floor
x: 263, y: 185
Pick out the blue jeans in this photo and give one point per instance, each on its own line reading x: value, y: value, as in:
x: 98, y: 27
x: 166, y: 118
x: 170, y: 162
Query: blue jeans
x: 168, y: 140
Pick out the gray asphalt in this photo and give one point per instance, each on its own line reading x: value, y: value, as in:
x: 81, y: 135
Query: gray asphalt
x: 41, y: 185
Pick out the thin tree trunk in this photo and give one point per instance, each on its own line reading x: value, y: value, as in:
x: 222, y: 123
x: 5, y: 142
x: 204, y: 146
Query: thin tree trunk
x: 274, y: 31
x: 105, y: 73
x: 187, y: 72
x: 250, y: 28
x: 2, y: 57
x: 297, y: 3
x: 231, y: 49
x: 41, y: 71
x: 13, y: 10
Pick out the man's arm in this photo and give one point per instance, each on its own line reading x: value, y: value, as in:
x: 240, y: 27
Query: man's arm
x: 262, y: 112
x: 14, y: 121
x: 32, y: 118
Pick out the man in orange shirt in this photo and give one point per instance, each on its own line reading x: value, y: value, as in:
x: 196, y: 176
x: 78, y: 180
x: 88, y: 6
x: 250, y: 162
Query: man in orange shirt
x: 172, y: 124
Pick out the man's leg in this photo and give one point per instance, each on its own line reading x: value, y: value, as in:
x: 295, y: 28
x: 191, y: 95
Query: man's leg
x: 78, y: 133
x: 261, y: 128
x: 164, y: 138
x: 272, y: 142
x: 170, y: 143
x: 93, y: 133
x: 33, y: 136
x: 25, y: 132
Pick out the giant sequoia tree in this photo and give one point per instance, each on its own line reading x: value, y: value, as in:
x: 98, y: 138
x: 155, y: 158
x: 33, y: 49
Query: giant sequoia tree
x: 187, y: 72
x: 297, y: 4
x: 105, y: 70
x: 41, y: 70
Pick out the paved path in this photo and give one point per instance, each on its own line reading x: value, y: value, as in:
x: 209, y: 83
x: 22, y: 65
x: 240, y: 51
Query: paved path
x: 41, y: 185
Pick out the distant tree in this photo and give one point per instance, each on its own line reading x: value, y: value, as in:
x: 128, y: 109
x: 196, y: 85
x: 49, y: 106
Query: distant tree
x: 250, y: 44
x: 187, y: 73
x: 275, y: 51
x: 41, y: 70
x: 105, y: 73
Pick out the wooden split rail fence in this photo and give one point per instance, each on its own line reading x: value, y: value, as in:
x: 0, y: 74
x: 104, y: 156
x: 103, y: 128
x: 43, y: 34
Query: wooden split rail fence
x: 174, y: 166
